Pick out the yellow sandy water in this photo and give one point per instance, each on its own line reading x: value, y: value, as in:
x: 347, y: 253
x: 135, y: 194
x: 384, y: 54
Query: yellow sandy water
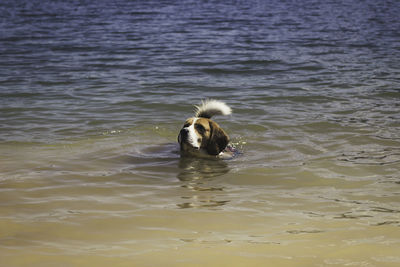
x: 113, y: 202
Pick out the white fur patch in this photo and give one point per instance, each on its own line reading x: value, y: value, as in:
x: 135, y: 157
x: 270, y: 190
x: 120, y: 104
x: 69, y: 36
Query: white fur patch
x: 192, y: 135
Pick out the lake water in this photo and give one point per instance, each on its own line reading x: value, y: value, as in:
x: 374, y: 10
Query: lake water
x: 92, y: 97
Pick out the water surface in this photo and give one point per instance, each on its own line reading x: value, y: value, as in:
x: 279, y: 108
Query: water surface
x: 92, y: 97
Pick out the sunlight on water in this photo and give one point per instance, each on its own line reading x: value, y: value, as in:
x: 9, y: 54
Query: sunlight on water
x: 93, y: 95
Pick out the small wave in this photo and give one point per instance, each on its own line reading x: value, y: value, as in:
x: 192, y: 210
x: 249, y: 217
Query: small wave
x: 385, y: 156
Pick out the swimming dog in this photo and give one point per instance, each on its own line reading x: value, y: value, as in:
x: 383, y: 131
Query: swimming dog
x: 202, y: 136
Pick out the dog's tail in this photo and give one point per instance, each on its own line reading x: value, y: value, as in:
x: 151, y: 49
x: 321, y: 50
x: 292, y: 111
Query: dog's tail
x: 210, y: 108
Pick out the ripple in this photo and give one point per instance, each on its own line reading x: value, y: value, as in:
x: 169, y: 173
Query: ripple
x: 386, y: 156
x: 315, y: 231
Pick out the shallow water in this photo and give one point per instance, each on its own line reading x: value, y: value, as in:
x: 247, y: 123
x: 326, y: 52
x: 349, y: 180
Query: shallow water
x: 92, y: 97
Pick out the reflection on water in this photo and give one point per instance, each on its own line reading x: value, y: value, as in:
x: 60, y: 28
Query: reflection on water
x: 189, y: 167
x: 208, y: 203
x: 195, y: 168
x: 196, y: 173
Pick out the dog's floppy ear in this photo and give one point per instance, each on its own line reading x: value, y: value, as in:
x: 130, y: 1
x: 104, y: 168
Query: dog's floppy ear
x: 218, y: 139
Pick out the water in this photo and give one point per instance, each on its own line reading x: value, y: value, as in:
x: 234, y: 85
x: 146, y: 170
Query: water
x: 92, y: 97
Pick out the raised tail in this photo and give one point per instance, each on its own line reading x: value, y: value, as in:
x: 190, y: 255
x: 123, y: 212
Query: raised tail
x: 210, y: 108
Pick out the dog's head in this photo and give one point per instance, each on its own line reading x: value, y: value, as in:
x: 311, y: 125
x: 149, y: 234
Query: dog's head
x: 204, y: 135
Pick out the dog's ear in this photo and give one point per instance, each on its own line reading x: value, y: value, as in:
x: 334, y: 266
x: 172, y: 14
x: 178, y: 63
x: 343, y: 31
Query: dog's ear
x: 218, y: 139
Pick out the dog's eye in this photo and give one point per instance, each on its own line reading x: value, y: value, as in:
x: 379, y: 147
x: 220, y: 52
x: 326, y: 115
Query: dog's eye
x: 186, y: 125
x: 200, y: 128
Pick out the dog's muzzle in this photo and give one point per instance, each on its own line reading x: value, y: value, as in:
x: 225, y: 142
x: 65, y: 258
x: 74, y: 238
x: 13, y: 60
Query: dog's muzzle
x: 186, y: 141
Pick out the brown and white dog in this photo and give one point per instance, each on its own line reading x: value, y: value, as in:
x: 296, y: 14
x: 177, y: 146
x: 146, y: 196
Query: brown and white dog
x: 201, y: 135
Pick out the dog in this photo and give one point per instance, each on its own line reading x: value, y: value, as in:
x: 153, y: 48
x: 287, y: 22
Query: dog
x: 202, y: 136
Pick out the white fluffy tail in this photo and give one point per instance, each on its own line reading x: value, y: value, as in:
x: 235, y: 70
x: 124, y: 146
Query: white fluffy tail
x: 210, y: 108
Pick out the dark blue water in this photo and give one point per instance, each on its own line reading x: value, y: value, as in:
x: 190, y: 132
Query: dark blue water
x: 71, y: 68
